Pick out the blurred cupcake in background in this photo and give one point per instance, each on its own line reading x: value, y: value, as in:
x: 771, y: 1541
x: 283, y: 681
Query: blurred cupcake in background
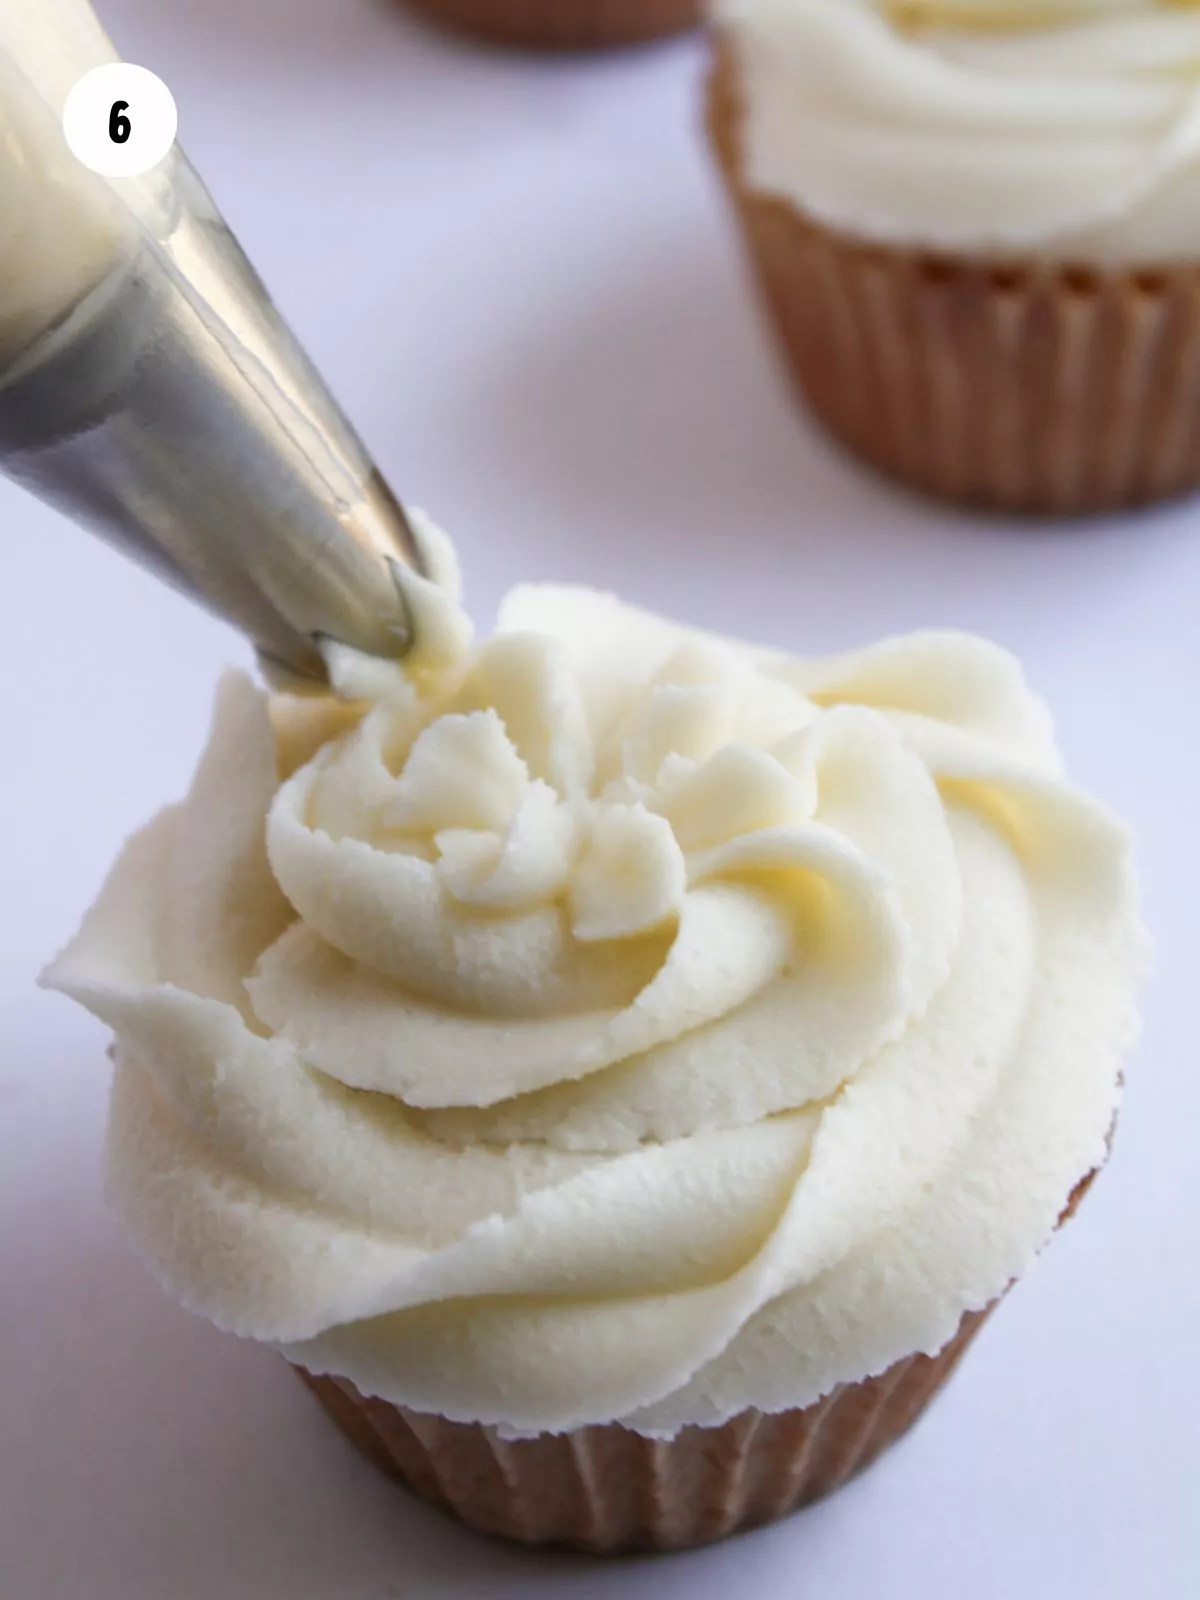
x: 976, y: 225
x: 564, y: 24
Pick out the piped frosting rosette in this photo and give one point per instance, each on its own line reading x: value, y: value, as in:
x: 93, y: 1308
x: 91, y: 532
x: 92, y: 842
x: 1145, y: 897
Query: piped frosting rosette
x: 612, y: 1021
x: 1069, y: 128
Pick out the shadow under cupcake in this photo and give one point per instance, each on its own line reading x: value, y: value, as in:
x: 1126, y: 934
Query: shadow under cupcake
x: 563, y: 24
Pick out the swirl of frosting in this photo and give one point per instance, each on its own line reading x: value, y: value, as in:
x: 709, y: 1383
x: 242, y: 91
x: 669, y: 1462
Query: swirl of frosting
x: 612, y: 1021
x: 1069, y: 129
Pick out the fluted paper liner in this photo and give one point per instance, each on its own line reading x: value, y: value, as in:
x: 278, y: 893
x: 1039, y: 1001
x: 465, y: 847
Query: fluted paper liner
x: 609, y: 1490
x: 564, y: 24
x: 1024, y: 387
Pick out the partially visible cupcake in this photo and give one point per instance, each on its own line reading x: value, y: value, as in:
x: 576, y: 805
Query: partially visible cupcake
x: 564, y: 24
x: 976, y: 225
x: 620, y: 1068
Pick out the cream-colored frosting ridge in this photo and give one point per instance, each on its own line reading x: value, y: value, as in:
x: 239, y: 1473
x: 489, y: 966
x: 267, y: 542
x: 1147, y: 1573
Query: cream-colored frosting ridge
x: 1063, y: 129
x: 609, y: 1021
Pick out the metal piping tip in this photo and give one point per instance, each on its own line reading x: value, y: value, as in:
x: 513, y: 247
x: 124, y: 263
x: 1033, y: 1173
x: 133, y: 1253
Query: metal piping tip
x: 174, y: 413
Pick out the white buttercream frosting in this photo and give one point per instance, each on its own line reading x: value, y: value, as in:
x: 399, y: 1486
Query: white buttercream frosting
x: 1069, y: 129
x: 610, y: 1021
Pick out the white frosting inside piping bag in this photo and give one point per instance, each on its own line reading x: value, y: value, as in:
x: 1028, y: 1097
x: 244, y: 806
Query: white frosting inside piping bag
x: 1065, y: 129
x: 60, y: 231
x: 63, y: 230
x: 609, y: 1021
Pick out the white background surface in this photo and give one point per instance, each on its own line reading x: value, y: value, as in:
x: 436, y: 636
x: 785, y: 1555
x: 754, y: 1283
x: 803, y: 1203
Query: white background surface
x: 519, y: 278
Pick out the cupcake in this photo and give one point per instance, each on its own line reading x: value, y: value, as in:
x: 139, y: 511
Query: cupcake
x: 619, y: 1068
x: 563, y: 24
x: 976, y: 227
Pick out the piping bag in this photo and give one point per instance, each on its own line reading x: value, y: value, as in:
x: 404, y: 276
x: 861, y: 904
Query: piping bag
x: 150, y: 389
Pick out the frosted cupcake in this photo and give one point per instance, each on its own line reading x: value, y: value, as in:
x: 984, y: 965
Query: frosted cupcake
x: 620, y: 1068
x: 976, y: 225
x: 564, y: 24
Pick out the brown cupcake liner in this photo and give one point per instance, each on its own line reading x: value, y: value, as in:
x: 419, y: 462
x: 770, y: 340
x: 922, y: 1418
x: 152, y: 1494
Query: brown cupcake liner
x: 610, y: 1491
x: 563, y: 24
x: 1017, y: 386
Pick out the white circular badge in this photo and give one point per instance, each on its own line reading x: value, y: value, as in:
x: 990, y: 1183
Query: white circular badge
x: 120, y: 120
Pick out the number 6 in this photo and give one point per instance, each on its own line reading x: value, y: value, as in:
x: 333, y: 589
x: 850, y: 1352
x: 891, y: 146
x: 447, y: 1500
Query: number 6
x: 119, y: 126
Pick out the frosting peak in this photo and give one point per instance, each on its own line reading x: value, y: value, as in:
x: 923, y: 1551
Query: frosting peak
x: 610, y: 1021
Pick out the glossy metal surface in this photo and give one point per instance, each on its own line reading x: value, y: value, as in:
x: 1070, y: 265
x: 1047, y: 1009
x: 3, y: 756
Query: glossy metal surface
x: 175, y: 414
